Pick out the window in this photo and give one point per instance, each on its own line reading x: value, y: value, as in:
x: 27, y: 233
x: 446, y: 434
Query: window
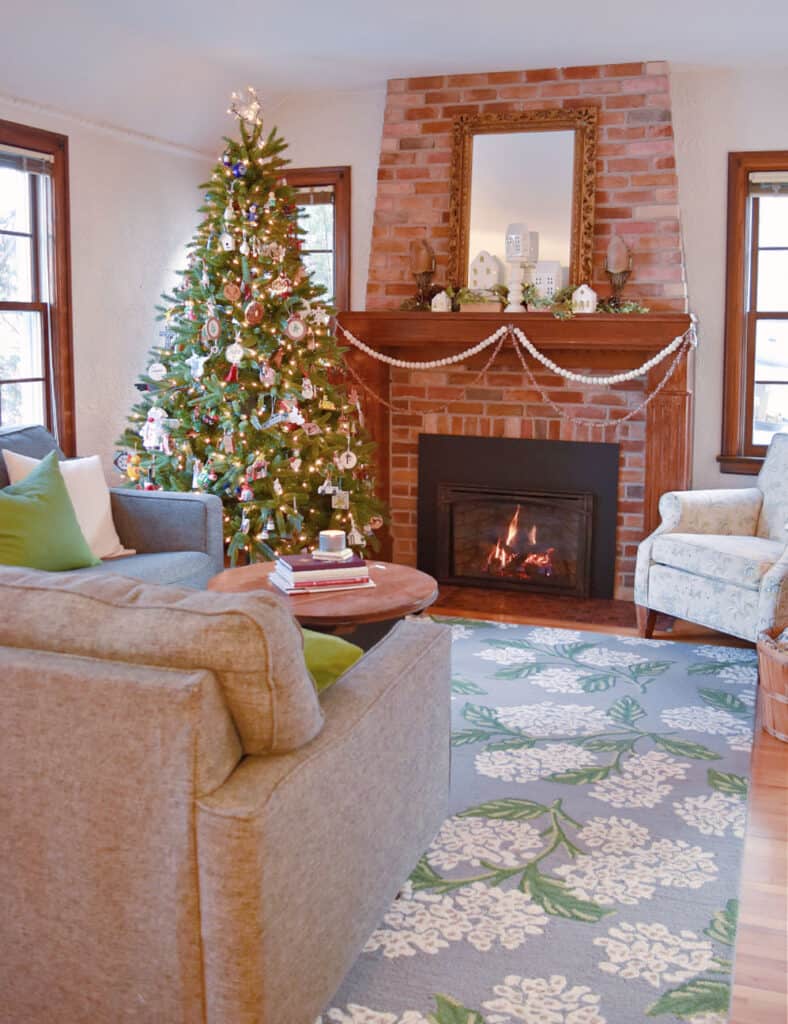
x: 756, y: 338
x: 36, y: 374
x: 324, y: 213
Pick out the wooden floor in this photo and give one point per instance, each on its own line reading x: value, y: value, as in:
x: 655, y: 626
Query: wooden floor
x: 760, y: 990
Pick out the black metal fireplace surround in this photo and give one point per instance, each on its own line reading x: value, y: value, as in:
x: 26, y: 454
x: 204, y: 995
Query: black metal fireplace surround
x: 518, y: 514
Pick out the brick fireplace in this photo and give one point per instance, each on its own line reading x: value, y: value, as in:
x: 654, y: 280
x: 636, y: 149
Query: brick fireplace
x: 636, y: 197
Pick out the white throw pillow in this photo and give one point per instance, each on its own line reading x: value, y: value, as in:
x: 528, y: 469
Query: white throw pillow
x: 87, y: 488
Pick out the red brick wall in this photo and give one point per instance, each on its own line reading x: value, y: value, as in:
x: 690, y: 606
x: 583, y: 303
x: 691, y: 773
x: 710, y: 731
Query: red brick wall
x: 636, y: 197
x: 637, y: 189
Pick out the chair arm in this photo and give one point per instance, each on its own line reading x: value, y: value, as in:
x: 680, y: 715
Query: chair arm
x: 154, y: 521
x: 300, y: 854
x: 773, y: 601
x: 733, y: 511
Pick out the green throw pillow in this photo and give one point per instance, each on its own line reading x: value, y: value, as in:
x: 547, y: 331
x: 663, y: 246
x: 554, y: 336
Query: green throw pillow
x: 328, y: 657
x: 38, y: 525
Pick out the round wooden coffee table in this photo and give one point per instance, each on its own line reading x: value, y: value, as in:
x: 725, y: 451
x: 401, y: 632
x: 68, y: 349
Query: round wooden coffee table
x: 398, y: 591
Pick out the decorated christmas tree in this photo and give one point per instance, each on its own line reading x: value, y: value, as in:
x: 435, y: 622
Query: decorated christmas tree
x: 247, y: 397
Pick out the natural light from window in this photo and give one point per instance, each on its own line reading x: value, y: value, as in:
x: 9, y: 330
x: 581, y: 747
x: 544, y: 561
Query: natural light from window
x: 770, y: 286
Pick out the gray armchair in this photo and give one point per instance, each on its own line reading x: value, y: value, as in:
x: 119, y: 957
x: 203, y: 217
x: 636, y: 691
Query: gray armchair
x: 177, y: 536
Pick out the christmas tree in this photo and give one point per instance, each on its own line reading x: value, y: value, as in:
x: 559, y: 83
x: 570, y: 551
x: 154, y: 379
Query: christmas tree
x: 247, y: 397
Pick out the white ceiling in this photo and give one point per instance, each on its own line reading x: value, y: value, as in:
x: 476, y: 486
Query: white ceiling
x: 166, y: 67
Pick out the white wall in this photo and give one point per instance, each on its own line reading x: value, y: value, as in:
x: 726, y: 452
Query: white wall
x: 714, y: 112
x: 133, y: 208
x: 329, y: 129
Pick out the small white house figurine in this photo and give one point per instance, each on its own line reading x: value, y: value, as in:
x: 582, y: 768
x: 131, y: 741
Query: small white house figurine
x: 441, y: 303
x: 485, y: 272
x: 584, y: 299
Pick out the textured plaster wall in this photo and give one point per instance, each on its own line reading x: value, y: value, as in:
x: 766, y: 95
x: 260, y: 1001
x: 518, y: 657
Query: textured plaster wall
x: 340, y: 128
x: 133, y: 208
x: 715, y: 112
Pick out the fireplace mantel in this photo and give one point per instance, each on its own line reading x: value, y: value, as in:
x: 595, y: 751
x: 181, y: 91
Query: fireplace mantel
x: 591, y: 343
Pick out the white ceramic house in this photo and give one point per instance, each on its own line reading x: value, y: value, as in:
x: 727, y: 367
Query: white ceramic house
x: 584, y: 299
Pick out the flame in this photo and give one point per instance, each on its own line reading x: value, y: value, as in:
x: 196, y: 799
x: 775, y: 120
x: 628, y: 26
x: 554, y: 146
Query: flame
x: 532, y: 535
x: 514, y: 525
x: 507, y: 558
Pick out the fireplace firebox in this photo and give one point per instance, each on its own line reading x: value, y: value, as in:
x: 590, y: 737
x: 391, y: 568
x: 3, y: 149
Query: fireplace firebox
x: 518, y: 514
x: 515, y: 539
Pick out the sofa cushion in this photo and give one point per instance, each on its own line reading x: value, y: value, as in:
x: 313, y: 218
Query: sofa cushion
x: 186, y: 568
x: 87, y: 488
x: 250, y: 642
x: 328, y: 657
x: 38, y: 524
x: 773, y: 481
x: 34, y: 441
x: 739, y: 560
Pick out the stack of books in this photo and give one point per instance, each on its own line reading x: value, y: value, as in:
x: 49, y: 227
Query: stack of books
x: 318, y: 573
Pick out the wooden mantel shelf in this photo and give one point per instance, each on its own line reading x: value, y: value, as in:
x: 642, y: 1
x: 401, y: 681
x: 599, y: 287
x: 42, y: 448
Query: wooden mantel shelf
x: 635, y: 332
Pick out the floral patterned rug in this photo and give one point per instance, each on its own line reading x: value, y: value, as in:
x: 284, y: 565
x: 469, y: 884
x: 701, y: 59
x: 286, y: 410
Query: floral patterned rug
x: 590, y: 869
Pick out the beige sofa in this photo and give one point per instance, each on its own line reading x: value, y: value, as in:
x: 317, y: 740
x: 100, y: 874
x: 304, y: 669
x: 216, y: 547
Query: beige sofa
x: 188, y: 835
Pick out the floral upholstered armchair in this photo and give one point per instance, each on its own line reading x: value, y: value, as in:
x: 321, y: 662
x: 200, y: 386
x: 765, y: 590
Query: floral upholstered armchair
x: 720, y: 558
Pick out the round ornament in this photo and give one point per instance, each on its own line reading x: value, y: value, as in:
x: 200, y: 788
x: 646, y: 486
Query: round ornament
x: 231, y: 292
x: 234, y: 353
x: 346, y: 460
x: 157, y: 371
x: 212, y: 329
x: 239, y: 169
x: 295, y: 328
x: 254, y: 313
x: 376, y: 522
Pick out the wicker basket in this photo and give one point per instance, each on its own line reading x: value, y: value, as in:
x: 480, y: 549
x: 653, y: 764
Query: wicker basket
x: 773, y: 664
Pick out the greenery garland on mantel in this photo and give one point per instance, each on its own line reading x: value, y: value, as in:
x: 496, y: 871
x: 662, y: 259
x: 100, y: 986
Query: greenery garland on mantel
x: 559, y: 304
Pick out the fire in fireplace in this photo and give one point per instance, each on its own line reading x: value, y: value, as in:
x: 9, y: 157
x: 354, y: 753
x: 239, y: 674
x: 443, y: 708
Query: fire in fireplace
x: 529, y: 539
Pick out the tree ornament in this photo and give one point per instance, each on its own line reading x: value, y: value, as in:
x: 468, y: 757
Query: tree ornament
x: 239, y: 169
x: 231, y: 292
x: 259, y: 469
x: 295, y: 328
x: 254, y: 313
x: 278, y: 489
x: 197, y: 471
x: 271, y: 201
x: 245, y: 524
x: 327, y: 487
x: 270, y: 525
x: 267, y: 375
x: 326, y: 403
x: 346, y: 459
x: 212, y: 328
x: 355, y: 537
x: 251, y: 213
x: 157, y: 371
x: 307, y: 389
x: 121, y: 462
x: 229, y: 211
x: 320, y: 316
x: 153, y: 431
x: 246, y: 107
x: 228, y: 444
x: 340, y: 499
x: 311, y: 429
x: 280, y: 285
x: 234, y: 353
x: 226, y: 241
x: 246, y: 493
x: 295, y: 461
x: 196, y: 365
x: 244, y: 248
x: 375, y: 522
x: 134, y: 467
x: 226, y: 159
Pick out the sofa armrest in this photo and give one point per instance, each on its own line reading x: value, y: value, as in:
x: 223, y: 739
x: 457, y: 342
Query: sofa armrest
x: 733, y: 511
x: 154, y: 521
x: 300, y: 854
x: 773, y: 599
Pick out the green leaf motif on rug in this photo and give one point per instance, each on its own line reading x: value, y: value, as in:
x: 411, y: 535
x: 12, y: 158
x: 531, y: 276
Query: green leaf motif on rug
x: 724, y: 701
x: 626, y: 710
x: 692, y: 999
x: 728, y: 783
x: 722, y: 927
x: 685, y: 749
x: 449, y: 1011
x: 555, y: 898
x: 715, y: 668
x: 466, y: 686
x: 506, y: 809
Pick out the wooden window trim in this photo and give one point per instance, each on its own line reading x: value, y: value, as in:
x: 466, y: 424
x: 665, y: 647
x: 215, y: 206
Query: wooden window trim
x: 59, y: 346
x: 739, y: 454
x: 339, y: 177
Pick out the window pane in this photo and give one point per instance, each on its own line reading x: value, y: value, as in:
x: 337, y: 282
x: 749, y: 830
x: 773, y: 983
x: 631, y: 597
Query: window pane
x: 318, y: 222
x: 772, y: 281
x: 773, y: 220
x: 771, y: 350
x: 14, y: 200
x: 22, y: 404
x: 321, y: 266
x: 20, y: 345
x: 770, y: 412
x: 15, y: 269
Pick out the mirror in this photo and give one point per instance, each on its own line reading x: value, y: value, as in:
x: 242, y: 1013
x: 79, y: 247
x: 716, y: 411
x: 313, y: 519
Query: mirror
x: 523, y: 182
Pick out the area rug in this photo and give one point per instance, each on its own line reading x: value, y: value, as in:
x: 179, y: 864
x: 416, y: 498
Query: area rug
x: 590, y: 868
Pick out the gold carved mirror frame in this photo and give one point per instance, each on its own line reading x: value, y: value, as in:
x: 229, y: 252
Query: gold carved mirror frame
x: 583, y: 122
